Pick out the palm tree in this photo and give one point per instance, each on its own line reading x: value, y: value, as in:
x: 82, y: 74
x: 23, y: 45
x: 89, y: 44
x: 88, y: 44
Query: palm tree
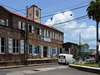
x: 93, y: 12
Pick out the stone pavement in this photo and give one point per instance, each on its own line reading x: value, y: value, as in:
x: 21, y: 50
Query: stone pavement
x: 35, y: 70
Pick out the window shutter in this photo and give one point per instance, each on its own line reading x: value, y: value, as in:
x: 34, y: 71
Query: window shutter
x: 44, y: 32
x: 19, y: 25
x: 27, y: 49
x: 60, y: 37
x: 0, y: 45
x: 40, y: 31
x: 21, y: 46
x: 49, y: 52
x: 23, y: 26
x: 53, y: 34
x: 56, y: 51
x: 10, y: 45
x: 63, y: 50
x: 6, y: 22
x: 32, y: 29
x: 41, y: 49
x: 33, y: 49
x: 28, y: 27
x: 47, y: 33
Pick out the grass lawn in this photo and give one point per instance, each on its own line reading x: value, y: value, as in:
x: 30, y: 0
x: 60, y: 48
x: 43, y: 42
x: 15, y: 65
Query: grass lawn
x: 93, y: 64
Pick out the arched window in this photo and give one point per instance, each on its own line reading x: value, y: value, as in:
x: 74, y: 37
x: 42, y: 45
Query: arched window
x: 37, y: 13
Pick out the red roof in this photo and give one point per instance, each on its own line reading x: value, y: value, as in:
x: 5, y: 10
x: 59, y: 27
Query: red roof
x: 31, y: 19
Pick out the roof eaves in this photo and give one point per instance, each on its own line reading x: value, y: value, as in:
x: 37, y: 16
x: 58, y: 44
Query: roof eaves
x: 32, y: 20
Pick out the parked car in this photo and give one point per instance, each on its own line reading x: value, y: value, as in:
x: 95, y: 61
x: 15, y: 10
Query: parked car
x: 66, y: 59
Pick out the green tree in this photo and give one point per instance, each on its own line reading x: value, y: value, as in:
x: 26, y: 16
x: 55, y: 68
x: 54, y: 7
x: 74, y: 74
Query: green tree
x: 93, y: 12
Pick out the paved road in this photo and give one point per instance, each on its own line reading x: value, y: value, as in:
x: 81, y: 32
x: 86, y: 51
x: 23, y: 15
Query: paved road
x: 64, y: 71
x: 4, y: 71
x: 44, y: 70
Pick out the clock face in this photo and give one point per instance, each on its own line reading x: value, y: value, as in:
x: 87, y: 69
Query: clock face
x: 37, y: 13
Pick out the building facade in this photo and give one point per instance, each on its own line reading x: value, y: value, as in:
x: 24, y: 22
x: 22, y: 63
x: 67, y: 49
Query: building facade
x: 41, y: 41
x: 71, y: 48
x: 84, y: 51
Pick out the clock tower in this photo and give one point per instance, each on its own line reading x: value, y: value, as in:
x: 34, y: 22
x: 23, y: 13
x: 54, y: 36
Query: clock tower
x: 34, y: 13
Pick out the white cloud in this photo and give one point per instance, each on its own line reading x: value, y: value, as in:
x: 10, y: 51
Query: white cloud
x: 72, y: 29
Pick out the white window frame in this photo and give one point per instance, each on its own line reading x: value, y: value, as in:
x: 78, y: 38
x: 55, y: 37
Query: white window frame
x: 30, y: 49
x: 2, y: 22
x: 32, y: 28
x: 16, y: 47
x: 2, y: 46
x: 61, y: 37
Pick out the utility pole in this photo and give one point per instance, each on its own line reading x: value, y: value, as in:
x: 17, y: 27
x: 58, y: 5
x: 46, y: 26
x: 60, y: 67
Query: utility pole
x: 26, y: 36
x: 97, y: 43
x: 80, y: 46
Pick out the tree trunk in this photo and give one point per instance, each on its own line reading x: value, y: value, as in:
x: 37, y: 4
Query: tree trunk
x: 97, y: 42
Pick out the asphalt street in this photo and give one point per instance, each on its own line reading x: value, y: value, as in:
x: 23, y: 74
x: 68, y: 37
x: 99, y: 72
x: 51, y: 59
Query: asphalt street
x: 64, y: 71
x: 44, y: 70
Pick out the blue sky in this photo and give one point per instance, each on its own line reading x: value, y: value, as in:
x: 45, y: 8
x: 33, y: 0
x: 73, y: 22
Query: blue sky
x: 56, y: 6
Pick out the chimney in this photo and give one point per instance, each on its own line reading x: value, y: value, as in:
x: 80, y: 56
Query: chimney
x: 34, y: 13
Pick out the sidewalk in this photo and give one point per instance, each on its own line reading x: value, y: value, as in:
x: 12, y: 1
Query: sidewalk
x: 34, y: 62
x: 85, y: 68
x: 18, y: 66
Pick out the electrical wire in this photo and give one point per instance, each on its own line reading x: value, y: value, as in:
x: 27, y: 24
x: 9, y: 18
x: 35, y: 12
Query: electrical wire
x: 62, y: 12
x: 66, y: 8
x: 11, y: 8
x: 70, y: 20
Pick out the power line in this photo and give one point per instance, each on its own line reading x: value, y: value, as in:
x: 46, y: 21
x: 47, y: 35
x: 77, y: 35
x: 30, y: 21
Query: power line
x: 63, y: 11
x: 52, y: 2
x: 19, y: 10
x: 70, y: 39
x: 66, y: 8
x: 11, y: 8
x: 70, y: 20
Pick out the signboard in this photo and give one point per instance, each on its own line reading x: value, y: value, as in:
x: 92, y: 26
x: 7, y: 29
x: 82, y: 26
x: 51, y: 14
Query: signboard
x: 54, y: 51
x: 41, y: 38
x: 35, y: 51
x: 47, y: 39
x: 44, y: 38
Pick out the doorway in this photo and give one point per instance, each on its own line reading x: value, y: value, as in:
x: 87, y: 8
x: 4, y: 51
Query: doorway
x: 45, y: 48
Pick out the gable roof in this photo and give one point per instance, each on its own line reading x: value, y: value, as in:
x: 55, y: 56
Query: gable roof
x: 30, y: 19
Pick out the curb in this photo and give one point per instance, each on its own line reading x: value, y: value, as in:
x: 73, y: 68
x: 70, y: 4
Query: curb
x: 88, y: 69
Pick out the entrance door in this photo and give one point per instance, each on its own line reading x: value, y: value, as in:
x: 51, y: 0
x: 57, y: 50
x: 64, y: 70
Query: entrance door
x: 45, y: 51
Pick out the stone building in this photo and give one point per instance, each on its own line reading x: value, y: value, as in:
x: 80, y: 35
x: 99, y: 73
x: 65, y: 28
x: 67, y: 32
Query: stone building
x: 71, y: 48
x: 42, y: 41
